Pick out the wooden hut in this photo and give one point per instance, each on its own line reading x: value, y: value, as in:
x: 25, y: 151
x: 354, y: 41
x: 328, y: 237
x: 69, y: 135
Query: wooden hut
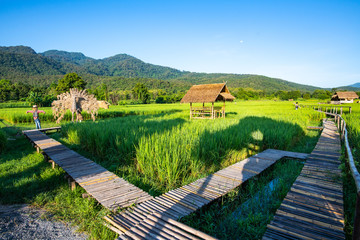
x: 344, y: 97
x: 207, y: 93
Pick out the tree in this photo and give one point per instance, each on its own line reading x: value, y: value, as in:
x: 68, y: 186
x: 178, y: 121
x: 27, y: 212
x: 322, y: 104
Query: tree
x: 141, y: 92
x: 70, y: 80
x: 34, y: 98
x: 5, y: 88
x: 306, y: 96
x: 321, y: 94
x: 105, y: 91
x: 294, y: 94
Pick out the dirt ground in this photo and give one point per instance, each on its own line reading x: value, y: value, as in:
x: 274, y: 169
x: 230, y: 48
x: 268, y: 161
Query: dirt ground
x: 22, y: 221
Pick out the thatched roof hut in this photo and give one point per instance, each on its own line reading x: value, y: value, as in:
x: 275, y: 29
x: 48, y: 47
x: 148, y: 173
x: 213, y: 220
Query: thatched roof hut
x: 207, y: 93
x: 344, y: 97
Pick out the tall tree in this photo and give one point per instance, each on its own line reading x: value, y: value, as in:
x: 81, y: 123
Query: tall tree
x: 5, y: 88
x: 142, y: 93
x: 70, y: 80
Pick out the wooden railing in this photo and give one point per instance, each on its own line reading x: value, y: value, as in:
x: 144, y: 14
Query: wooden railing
x: 339, y: 120
x: 330, y: 109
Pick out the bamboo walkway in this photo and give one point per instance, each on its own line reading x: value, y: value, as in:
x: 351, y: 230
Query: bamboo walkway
x: 313, y: 208
x: 108, y: 189
x: 156, y: 218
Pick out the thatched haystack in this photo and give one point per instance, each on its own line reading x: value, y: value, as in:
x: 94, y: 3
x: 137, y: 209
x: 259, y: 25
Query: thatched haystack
x: 74, y: 100
x: 103, y: 104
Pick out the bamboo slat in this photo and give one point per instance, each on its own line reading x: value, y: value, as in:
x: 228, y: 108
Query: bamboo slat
x: 107, y: 188
x: 313, y: 208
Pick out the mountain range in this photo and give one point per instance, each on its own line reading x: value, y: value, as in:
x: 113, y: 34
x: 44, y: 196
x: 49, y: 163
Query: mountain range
x: 122, y: 71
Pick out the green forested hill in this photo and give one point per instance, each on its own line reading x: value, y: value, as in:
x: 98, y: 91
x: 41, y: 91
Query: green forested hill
x: 257, y: 82
x: 23, y: 64
x: 69, y: 57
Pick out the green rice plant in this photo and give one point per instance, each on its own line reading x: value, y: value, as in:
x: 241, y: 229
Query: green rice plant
x: 3, y: 141
x: 168, y: 149
x: 19, y: 115
x: 14, y: 104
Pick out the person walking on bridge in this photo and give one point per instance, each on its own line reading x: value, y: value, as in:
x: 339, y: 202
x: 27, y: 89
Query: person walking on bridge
x: 35, y: 113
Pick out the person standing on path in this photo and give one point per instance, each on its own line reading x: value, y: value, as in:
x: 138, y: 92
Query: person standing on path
x: 35, y: 113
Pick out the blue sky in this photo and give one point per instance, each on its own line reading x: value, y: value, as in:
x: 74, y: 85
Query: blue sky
x: 309, y: 42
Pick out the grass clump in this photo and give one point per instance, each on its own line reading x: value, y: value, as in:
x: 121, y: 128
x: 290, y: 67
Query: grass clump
x: 3, y: 141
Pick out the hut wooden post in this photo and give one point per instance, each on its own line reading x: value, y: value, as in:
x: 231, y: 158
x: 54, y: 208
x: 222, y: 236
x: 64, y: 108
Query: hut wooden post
x: 341, y: 111
x: 349, y: 110
x: 212, y: 110
x: 191, y: 113
x: 223, y: 111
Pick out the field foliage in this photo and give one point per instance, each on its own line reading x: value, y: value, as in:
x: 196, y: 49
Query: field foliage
x: 158, y: 148
x: 166, y: 150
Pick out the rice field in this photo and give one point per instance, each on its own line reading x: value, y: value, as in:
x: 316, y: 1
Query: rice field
x: 158, y: 148
x: 16, y: 115
x: 163, y: 151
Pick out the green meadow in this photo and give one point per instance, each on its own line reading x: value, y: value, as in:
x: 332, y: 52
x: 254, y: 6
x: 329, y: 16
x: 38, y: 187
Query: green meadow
x: 158, y: 148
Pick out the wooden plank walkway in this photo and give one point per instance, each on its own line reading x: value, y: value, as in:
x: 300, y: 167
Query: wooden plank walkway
x: 157, y: 217
x: 44, y: 130
x: 107, y: 188
x: 313, y: 208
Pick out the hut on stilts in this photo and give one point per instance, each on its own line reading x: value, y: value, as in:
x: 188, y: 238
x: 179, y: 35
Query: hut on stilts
x: 207, y: 93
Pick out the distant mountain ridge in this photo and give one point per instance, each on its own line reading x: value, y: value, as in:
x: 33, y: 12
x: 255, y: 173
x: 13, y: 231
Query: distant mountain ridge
x: 356, y: 85
x: 21, y: 63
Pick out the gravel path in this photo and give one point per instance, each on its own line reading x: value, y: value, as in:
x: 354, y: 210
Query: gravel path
x: 22, y: 221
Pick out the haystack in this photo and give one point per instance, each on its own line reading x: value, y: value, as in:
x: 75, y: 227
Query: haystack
x: 103, y: 104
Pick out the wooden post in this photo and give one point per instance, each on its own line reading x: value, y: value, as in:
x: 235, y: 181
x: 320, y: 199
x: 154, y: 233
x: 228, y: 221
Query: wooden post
x: 212, y: 110
x: 37, y: 149
x: 349, y: 110
x: 72, y: 183
x: 356, y: 233
x: 326, y: 109
x: 223, y: 111
x: 52, y: 164
x: 341, y: 111
x: 191, y: 111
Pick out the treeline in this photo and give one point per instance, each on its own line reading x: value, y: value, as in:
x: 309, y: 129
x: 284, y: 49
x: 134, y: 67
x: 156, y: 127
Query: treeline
x: 44, y: 96
x: 251, y: 94
x: 135, y: 91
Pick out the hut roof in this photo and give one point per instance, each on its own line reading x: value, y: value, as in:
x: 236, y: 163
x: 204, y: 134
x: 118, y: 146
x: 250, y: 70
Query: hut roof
x: 207, y: 93
x: 345, y: 95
